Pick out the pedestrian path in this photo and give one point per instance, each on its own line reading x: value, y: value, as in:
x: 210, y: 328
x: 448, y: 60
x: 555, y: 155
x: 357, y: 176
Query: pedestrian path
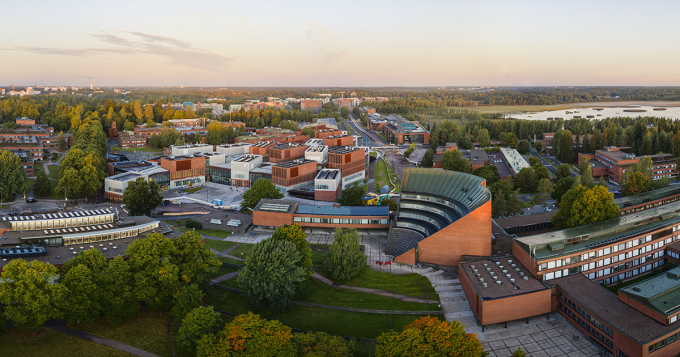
x: 60, y: 326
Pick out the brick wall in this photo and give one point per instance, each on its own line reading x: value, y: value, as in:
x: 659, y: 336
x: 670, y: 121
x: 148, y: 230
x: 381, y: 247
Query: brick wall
x: 407, y: 258
x: 271, y: 219
x: 515, y: 307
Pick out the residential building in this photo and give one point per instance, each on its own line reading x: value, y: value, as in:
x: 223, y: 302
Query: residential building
x: 477, y: 157
x: 183, y: 123
x: 31, y: 146
x: 27, y: 161
x: 314, y: 105
x: 276, y: 213
x: 366, y: 111
x: 132, y: 141
x: 293, y: 174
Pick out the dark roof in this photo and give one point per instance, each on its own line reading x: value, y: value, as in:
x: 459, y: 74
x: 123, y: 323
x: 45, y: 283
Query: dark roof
x: 355, y: 211
x: 294, y: 163
x: 660, y: 293
x: 606, y: 307
x: 647, y: 196
x: 523, y: 282
x: 526, y: 220
x: 343, y: 149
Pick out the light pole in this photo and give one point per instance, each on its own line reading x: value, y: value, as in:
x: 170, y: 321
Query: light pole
x: 65, y: 199
x: 1, y: 188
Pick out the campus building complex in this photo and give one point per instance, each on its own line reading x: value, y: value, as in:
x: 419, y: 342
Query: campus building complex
x: 276, y: 213
x: 614, y: 162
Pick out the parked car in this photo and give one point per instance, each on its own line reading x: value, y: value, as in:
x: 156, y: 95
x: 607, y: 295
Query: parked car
x: 165, y: 203
x: 31, y: 200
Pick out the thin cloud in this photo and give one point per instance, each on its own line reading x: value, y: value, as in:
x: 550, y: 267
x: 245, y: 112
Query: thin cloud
x: 328, y: 45
x: 171, y: 49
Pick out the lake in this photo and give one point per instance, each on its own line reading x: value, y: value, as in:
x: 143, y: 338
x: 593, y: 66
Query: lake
x: 600, y: 113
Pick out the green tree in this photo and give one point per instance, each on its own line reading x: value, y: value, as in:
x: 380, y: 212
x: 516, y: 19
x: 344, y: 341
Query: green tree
x: 29, y: 293
x: 156, y: 277
x: 453, y: 160
x: 141, y: 197
x: 317, y: 344
x: 483, y: 138
x: 429, y: 336
x: 198, y: 139
x: 561, y: 187
x: 535, y: 162
x: 151, y: 124
x: 91, y: 258
x: 526, y: 180
x: 203, y: 320
x: 635, y: 183
x: 538, y: 146
x: 345, y: 260
x: 509, y: 140
x: 586, y: 172
x: 542, y: 172
x: 148, y: 113
x: 187, y: 298
x: 118, y: 299
x: 344, y: 112
x: 566, y: 143
x: 543, y: 191
x: 69, y: 182
x: 351, y: 196
x: 392, y: 204
x: 519, y: 353
x: 582, y: 205
x: 12, y: 175
x: 523, y: 147
x: 61, y: 142
x: 195, y: 261
x: 272, y: 274
x: 215, y: 133
x: 249, y: 335
x: 42, y: 187
x: 428, y: 159
x: 261, y: 189
x: 489, y: 173
x: 563, y: 171
x: 81, y: 300
x: 179, y: 114
x: 129, y: 126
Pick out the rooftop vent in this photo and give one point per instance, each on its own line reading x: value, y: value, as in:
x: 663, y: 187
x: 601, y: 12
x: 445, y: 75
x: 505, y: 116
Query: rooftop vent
x: 484, y: 284
x: 499, y: 282
x: 507, y: 275
x: 521, y: 274
x: 472, y: 266
x: 486, y: 265
x: 498, y: 263
x: 474, y: 270
x: 481, y: 280
x: 512, y: 280
x: 555, y: 246
x: 525, y: 278
x: 673, y: 274
x: 488, y: 269
x: 517, y: 269
x: 636, y: 289
x: 505, y: 271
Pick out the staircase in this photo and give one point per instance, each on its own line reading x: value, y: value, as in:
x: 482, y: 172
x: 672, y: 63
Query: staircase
x: 402, y: 240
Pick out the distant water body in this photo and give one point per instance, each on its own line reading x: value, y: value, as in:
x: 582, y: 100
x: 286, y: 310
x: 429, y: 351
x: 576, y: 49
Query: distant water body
x: 601, y: 113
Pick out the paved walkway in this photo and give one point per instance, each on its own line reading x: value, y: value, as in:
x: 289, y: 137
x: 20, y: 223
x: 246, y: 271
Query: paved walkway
x: 224, y: 277
x: 60, y: 326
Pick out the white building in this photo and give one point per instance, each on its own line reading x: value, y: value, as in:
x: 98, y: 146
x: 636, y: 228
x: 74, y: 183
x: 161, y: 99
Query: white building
x: 114, y: 186
x: 233, y: 149
x: 327, y: 180
x: 191, y: 149
x: 318, y: 153
x: 240, y: 168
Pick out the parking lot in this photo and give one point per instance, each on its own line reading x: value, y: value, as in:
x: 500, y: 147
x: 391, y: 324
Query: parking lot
x: 502, y: 166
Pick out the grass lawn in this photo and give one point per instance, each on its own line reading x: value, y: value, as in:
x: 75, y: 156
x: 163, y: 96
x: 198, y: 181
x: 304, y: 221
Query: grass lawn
x: 147, y: 330
x: 54, y: 171
x: 29, y: 184
x: 48, y: 342
x: 118, y: 148
x: 344, y: 323
x: 229, y: 260
x: 615, y: 288
x: 244, y: 248
x: 373, y: 153
x: 219, y: 245
x: 381, y: 176
x: 207, y: 232
x: 192, y: 190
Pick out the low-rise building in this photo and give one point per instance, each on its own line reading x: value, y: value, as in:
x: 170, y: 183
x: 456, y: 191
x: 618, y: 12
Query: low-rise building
x: 515, y: 161
x: 114, y: 186
x: 320, y: 134
x: 234, y: 149
x: 317, y: 153
x: 184, y: 171
x: 338, y: 140
x: 314, y: 105
x: 614, y: 162
x: 276, y: 213
x: 191, y: 149
x: 126, y: 141
x: 262, y: 147
x: 241, y: 167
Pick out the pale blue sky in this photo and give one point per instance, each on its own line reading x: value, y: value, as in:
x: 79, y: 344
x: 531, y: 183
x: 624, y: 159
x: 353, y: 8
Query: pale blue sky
x: 333, y: 43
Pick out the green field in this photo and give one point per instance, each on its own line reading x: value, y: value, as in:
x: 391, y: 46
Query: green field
x: 242, y: 250
x: 229, y: 260
x: 381, y: 178
x: 344, y: 323
x: 48, y: 342
x: 223, y: 270
x: 219, y: 245
x: 54, y: 171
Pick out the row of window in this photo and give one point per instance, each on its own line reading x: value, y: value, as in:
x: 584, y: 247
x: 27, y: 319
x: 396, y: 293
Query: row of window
x: 627, y: 275
x: 61, y: 223
x: 588, y: 317
x: 609, y: 251
x: 435, y: 200
x: 610, y: 270
x: 673, y: 254
x: 622, y: 257
x: 353, y: 177
x: 592, y: 330
x: 340, y: 220
x: 103, y: 236
x: 663, y: 343
x: 427, y: 208
x: 650, y: 205
x: 420, y: 217
x: 419, y: 228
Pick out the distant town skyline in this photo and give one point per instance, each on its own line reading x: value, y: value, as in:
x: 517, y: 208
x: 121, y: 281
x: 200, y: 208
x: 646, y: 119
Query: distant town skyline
x: 362, y: 44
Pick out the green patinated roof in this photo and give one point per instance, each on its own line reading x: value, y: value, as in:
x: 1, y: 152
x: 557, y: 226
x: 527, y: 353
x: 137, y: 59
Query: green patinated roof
x: 464, y: 188
x: 605, y: 232
x: 647, y: 196
x: 661, y: 292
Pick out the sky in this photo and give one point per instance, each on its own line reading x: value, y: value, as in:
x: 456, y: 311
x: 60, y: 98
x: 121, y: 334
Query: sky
x: 340, y: 43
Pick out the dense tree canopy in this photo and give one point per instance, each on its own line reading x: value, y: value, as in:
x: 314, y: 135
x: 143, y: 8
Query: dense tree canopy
x: 12, y: 175
x: 261, y: 189
x: 142, y: 196
x: 346, y: 259
x: 582, y: 205
x: 351, y: 196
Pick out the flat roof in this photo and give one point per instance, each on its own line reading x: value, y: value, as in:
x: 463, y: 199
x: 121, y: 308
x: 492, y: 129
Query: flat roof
x: 647, y: 196
x: 316, y: 148
x: 492, y: 271
x: 263, y: 144
x: 126, y: 176
x: 600, y: 233
x: 279, y: 206
x: 660, y: 293
x: 285, y: 146
x: 57, y: 215
x: 294, y: 163
x: 606, y: 307
x: 514, y: 159
x: 343, y: 149
x: 327, y: 174
x: 247, y: 158
x: 354, y: 211
x: 526, y: 220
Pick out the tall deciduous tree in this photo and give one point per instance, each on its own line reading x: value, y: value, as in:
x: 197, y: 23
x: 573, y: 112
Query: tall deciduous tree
x: 582, y: 205
x: 483, y: 138
x: 142, y: 196
x: 526, y: 180
x: 586, y: 172
x: 563, y: 171
x: 345, y: 260
x: 215, y: 133
x: 261, y: 189
x: 81, y: 300
x: 566, y: 143
x: 453, y: 160
x: 203, y: 320
x: 272, y: 274
x: 427, y: 159
x: 351, y: 196
x: 41, y: 187
x: 29, y: 293
x: 429, y: 336
x: 12, y: 175
x: 543, y: 191
x: 118, y: 299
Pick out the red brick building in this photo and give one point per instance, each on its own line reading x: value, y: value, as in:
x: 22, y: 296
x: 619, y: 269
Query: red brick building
x: 262, y: 147
x: 351, y: 161
x: 276, y: 213
x: 614, y: 162
x: 338, y: 140
x: 327, y: 185
x: 326, y: 133
x: 292, y: 174
x: 286, y: 152
x: 184, y: 171
x: 443, y: 215
x: 132, y: 141
x: 314, y: 105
